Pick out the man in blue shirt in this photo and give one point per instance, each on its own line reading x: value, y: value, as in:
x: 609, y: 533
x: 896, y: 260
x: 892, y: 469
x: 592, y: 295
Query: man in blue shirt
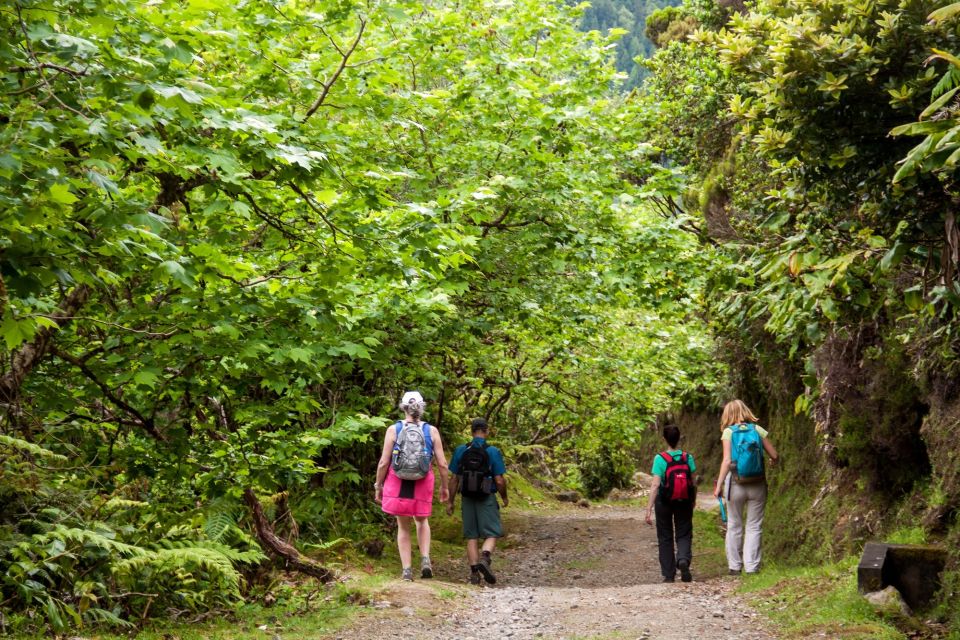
x: 476, y: 473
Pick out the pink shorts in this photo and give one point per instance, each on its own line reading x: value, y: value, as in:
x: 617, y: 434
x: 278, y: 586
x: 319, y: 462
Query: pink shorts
x: 408, y: 497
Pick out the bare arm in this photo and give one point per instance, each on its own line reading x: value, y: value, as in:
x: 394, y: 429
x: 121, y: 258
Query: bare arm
x: 384, y: 463
x: 771, y: 451
x: 441, y: 461
x: 502, y: 489
x: 453, y: 486
x: 654, y: 488
x: 724, y: 468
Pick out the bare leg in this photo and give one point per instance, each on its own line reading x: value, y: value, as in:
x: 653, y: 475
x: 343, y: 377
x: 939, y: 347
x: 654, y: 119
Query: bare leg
x: 473, y: 552
x: 403, y: 541
x: 490, y: 544
x: 423, y: 535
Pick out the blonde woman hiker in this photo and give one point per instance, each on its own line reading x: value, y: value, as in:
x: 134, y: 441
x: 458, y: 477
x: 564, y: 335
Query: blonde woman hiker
x: 742, y: 479
x: 405, y: 480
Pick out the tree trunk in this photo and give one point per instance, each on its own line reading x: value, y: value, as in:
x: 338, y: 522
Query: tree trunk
x: 29, y: 355
x: 278, y: 547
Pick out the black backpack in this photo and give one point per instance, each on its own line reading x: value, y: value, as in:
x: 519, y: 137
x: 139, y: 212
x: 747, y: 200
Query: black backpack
x: 475, y: 480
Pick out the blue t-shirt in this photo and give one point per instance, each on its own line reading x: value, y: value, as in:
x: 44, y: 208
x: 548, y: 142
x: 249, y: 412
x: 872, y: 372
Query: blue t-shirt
x: 497, y: 468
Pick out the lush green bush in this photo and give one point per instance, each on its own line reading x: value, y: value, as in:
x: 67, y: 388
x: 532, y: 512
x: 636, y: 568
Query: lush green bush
x: 604, y: 466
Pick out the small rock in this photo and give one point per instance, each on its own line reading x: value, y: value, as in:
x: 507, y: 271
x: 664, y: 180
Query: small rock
x: 889, y: 602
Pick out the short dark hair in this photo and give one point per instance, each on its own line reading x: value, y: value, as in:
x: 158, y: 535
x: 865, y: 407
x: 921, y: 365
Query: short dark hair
x: 671, y: 433
x: 478, y: 424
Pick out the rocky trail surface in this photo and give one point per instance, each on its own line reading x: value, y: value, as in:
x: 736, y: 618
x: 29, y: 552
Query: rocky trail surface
x: 580, y: 573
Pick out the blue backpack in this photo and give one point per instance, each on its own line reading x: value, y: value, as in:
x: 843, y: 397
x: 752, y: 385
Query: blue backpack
x: 746, y: 451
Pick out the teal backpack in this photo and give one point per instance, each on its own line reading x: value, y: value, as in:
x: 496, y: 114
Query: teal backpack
x: 746, y: 451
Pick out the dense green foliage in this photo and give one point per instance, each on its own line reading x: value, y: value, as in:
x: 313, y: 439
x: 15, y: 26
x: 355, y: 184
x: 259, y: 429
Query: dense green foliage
x: 232, y: 236
x: 628, y: 17
x: 795, y: 123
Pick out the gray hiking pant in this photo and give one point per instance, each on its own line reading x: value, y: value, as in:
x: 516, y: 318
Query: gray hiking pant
x: 753, y: 498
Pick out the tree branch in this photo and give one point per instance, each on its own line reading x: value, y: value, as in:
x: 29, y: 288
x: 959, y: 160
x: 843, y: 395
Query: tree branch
x: 344, y: 57
x: 278, y: 547
x: 144, y: 423
x: 25, y: 358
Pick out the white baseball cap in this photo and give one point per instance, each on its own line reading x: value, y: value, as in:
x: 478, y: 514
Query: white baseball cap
x: 411, y: 396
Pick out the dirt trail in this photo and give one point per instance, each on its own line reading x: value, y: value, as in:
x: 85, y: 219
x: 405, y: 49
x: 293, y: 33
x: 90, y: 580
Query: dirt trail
x: 586, y: 573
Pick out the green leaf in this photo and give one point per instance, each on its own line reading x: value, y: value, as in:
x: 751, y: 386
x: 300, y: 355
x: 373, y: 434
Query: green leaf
x: 299, y: 354
x: 913, y: 298
x: 894, y: 256
x: 102, y: 182
x: 60, y: 192
x: 945, y: 13
x: 146, y: 377
x: 829, y: 309
x: 176, y: 272
x: 16, y: 332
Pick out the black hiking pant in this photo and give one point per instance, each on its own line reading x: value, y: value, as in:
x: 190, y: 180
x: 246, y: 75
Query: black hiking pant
x: 674, y: 519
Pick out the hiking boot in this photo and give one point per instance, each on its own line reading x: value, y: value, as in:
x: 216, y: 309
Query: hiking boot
x: 407, y: 574
x: 426, y: 569
x: 667, y: 579
x: 484, y: 567
x: 474, y: 576
x: 684, y: 566
x: 734, y: 572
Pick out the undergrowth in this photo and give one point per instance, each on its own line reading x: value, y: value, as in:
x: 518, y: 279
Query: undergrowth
x: 815, y: 601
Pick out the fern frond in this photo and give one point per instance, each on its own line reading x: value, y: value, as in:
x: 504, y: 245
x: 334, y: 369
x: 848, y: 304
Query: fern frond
x: 236, y: 556
x: 102, y: 616
x: 218, y: 523
x: 948, y: 81
x: 88, y: 537
x: 326, y: 546
x: 9, y: 442
x: 185, y: 560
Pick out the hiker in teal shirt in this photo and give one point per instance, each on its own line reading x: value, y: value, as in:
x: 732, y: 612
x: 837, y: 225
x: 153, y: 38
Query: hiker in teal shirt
x: 673, y: 494
x: 476, y: 472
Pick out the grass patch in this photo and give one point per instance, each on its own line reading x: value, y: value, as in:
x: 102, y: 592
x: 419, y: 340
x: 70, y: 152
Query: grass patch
x: 810, y: 601
x: 709, y: 556
x: 525, y: 494
x: 298, y: 620
x: 908, y: 535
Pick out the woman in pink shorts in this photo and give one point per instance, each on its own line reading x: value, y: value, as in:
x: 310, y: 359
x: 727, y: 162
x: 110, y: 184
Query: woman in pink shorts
x: 411, y: 501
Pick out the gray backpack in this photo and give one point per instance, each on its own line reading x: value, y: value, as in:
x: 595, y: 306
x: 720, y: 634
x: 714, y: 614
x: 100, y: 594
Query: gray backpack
x: 412, y: 451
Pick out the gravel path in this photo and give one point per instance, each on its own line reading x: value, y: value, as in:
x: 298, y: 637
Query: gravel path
x: 585, y: 573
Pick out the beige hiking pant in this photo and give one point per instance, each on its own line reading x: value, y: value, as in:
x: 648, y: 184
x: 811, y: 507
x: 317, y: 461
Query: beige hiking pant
x: 745, y: 535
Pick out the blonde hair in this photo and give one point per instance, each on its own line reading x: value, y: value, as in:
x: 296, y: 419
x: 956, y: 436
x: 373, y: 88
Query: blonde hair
x: 736, y: 412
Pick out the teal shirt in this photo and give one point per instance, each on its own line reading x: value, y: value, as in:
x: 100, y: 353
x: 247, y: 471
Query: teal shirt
x: 497, y: 467
x: 660, y: 465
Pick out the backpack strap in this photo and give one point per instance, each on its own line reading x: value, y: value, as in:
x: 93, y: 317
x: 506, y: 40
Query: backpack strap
x: 428, y: 437
x: 667, y: 457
